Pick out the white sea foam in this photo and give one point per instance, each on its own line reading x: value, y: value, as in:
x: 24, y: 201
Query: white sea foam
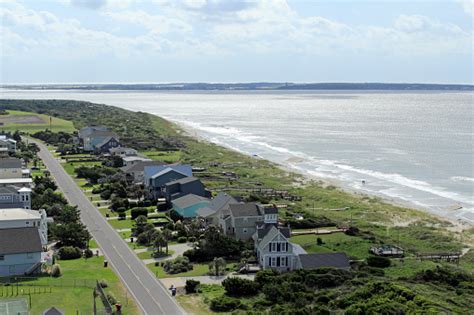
x: 462, y: 179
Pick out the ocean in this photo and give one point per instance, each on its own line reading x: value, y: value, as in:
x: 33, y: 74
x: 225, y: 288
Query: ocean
x: 410, y: 147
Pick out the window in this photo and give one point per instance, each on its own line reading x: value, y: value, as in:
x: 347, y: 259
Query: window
x: 273, y: 246
x: 283, y: 261
x: 2, y: 257
x: 245, y: 230
x: 273, y: 262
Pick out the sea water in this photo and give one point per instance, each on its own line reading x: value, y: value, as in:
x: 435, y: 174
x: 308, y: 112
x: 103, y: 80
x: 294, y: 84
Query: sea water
x: 415, y: 147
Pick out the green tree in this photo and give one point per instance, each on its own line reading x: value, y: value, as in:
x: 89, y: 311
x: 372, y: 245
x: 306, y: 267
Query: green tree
x: 217, y: 266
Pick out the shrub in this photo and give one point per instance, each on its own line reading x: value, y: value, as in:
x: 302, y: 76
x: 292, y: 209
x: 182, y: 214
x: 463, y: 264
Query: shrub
x: 111, y: 298
x: 352, y: 231
x: 88, y: 253
x: 191, y: 239
x: 103, y: 283
x: 191, y: 286
x: 224, y: 304
x: 266, y: 276
x: 121, y: 210
x: 178, y: 265
x: 69, y: 252
x: 182, y: 239
x: 136, y: 212
x: 240, y: 287
x: 319, y: 241
x: 56, y: 271
x: 379, y: 262
x: 122, y: 216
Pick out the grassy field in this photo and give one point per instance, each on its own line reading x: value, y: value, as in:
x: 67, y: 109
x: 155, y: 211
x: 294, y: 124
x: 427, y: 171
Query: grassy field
x: 354, y: 247
x: 72, y: 291
x: 32, y: 122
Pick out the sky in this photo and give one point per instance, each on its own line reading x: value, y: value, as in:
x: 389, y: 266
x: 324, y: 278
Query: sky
x: 92, y: 41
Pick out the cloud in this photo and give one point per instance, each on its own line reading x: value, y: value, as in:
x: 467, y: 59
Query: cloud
x: 89, y: 4
x: 468, y: 6
x: 216, y: 28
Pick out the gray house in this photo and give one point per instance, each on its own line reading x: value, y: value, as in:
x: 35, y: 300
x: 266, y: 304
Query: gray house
x: 7, y: 145
x: 98, y: 138
x: 135, y: 172
x: 15, y: 197
x: 242, y: 220
x: 156, y: 177
x: 217, y: 208
x: 185, y: 186
x: 275, y: 251
x: 21, y: 254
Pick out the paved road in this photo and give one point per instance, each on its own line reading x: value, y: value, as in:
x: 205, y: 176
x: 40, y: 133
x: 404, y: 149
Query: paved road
x: 152, y: 297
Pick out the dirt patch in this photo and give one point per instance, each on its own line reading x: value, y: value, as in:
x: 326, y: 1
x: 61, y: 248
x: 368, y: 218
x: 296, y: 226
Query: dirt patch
x: 26, y: 120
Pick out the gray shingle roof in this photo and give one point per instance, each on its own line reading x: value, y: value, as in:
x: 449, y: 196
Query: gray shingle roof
x: 140, y: 166
x: 314, y: 261
x: 263, y: 230
x: 184, y: 180
x: 53, y: 311
x: 20, y: 240
x: 10, y: 163
x: 270, y: 209
x: 221, y: 201
x: 245, y: 210
x: 9, y: 190
x: 188, y: 200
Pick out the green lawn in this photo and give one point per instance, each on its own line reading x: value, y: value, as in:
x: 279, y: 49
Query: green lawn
x: 338, y: 242
x: 195, y: 303
x: 147, y: 254
x: 198, y: 270
x: 121, y: 224
x: 68, y: 291
x: 164, y: 156
x: 56, y: 123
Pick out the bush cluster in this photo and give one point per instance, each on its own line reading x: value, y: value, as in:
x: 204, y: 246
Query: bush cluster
x: 235, y: 286
x: 69, y: 252
x: 178, y: 265
x: 224, y: 304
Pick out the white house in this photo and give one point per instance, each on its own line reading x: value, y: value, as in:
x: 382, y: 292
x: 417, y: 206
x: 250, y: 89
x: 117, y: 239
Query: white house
x: 20, y: 251
x: 18, y: 182
x: 7, y: 145
x: 20, y: 218
x: 129, y: 161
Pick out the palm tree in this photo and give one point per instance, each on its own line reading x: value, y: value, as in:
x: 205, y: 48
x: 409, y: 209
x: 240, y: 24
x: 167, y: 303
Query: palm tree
x: 217, y: 266
x: 158, y: 241
x: 167, y: 235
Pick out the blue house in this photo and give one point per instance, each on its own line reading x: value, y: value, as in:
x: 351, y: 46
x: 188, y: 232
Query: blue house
x: 185, y: 186
x: 156, y: 177
x: 188, y: 205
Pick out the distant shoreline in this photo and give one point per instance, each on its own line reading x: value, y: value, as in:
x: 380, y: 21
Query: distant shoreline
x: 256, y: 86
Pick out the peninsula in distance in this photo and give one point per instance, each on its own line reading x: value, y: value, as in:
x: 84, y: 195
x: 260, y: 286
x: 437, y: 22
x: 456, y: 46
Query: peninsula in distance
x: 264, y: 86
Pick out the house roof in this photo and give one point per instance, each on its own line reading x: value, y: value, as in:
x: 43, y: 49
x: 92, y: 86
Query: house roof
x: 20, y: 240
x: 106, y: 140
x: 188, y: 200
x: 184, y: 180
x: 102, y: 133
x: 245, y: 210
x: 135, y: 158
x: 10, y: 163
x: 314, y: 261
x: 9, y: 190
x: 221, y: 201
x: 167, y: 170
x: 272, y: 232
x: 263, y: 229
x: 270, y: 209
x: 121, y: 149
x: 18, y: 214
x: 53, y: 311
x: 151, y: 171
x: 140, y: 166
x: 205, y: 212
x: 13, y: 181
